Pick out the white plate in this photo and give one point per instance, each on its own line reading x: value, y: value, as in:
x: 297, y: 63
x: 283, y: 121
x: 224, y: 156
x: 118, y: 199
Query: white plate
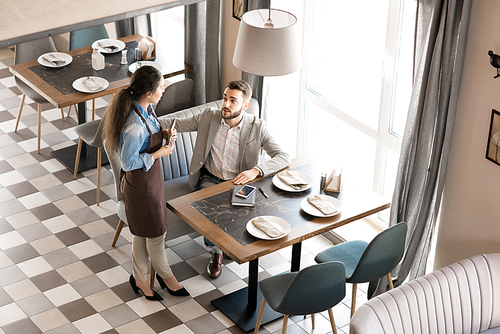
x: 311, y: 209
x: 277, y: 222
x: 133, y: 67
x: 80, y: 86
x: 283, y: 186
x: 61, y: 55
x: 116, y: 42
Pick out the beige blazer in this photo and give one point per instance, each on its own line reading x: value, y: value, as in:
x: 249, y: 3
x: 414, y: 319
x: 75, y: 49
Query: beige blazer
x: 254, y: 136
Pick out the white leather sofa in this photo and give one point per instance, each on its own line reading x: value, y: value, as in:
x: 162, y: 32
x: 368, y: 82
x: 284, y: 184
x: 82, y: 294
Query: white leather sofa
x: 463, y: 297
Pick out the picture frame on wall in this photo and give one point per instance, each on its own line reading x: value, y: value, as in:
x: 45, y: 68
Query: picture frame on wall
x: 238, y: 9
x: 493, y: 147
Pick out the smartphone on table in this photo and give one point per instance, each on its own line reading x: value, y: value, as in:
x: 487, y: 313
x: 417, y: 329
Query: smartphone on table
x: 245, y: 191
x: 170, y: 134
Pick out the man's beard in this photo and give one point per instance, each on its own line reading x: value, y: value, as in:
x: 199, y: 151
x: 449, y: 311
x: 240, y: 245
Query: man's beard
x: 232, y: 114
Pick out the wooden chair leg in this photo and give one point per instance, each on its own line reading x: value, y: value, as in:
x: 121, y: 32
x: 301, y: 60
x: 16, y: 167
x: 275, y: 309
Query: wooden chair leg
x: 353, y: 301
x: 152, y: 277
x: 117, y: 232
x: 285, y: 323
x: 389, y: 277
x: 39, y: 125
x: 313, y: 319
x: 93, y: 109
x: 261, y: 313
x: 77, y: 159
x: 19, y: 112
x: 62, y: 114
x: 332, y: 321
x: 98, y: 175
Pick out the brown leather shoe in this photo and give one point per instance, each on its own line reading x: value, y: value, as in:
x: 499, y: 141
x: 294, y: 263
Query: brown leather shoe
x: 214, y: 267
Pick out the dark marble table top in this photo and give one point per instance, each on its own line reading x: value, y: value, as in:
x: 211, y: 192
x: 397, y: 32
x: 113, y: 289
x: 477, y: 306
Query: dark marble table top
x: 233, y: 219
x: 62, y: 78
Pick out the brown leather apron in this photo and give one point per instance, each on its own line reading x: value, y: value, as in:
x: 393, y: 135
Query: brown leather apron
x: 143, y: 193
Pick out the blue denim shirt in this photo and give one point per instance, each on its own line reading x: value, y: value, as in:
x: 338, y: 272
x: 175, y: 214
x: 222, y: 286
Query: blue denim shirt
x: 135, y: 138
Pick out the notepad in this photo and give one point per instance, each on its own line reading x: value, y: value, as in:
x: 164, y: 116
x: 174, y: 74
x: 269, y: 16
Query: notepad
x: 240, y: 201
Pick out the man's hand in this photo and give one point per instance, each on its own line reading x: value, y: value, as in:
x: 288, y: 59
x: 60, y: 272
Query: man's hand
x: 246, y: 176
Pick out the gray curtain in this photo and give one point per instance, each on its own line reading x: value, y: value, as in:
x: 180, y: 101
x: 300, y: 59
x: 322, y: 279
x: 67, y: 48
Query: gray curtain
x: 201, y: 24
x: 255, y: 81
x: 440, y: 42
x: 136, y: 25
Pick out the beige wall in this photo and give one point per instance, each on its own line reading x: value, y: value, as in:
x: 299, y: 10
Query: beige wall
x: 470, y: 215
x: 229, y: 32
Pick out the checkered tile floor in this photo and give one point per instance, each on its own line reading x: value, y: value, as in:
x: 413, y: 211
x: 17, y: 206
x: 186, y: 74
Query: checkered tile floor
x: 58, y: 273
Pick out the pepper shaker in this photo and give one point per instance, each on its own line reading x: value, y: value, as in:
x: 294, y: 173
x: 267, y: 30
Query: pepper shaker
x: 323, y: 181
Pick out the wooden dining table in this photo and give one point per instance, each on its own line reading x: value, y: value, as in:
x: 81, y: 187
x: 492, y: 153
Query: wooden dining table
x: 209, y: 212
x: 55, y: 85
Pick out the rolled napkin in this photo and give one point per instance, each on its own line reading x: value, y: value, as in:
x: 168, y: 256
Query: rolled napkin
x: 295, y: 182
x: 91, y: 84
x: 325, y: 207
x: 108, y: 45
x: 53, y: 59
x: 266, y: 227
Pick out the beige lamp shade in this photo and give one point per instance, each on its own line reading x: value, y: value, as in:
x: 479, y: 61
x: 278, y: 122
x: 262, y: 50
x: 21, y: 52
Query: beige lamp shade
x: 268, y: 51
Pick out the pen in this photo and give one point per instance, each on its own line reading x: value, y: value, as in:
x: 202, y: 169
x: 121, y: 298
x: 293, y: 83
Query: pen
x: 263, y: 193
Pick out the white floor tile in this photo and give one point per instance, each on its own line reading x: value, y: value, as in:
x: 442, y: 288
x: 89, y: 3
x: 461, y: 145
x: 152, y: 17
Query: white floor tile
x: 10, y: 178
x: 92, y: 324
x: 34, y: 267
x: 33, y: 200
x: 10, y: 313
x: 144, y: 307
x: 181, y: 329
x: 188, y: 310
x: 114, y: 276
x: 197, y: 285
x: 11, y: 239
x: 85, y: 249
x: 58, y: 224
x: 62, y: 295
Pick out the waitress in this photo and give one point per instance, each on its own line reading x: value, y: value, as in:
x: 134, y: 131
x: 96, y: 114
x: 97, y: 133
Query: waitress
x: 132, y: 130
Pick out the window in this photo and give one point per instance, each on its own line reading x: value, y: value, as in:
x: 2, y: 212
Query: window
x: 356, y: 85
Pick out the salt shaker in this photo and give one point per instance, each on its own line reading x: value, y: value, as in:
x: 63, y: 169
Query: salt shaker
x: 138, y: 54
x: 124, y: 57
x: 323, y: 181
x: 97, y: 60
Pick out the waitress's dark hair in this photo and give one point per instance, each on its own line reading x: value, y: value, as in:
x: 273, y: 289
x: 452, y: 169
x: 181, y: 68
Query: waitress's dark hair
x: 145, y: 79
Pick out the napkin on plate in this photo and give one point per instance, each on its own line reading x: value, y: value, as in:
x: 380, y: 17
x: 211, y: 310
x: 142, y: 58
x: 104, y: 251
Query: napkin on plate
x: 266, y: 227
x: 53, y: 59
x: 91, y: 84
x: 108, y: 45
x: 325, y: 207
x: 295, y: 182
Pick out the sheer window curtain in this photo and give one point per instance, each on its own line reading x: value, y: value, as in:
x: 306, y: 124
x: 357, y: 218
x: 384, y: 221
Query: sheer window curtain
x: 440, y: 43
x: 136, y: 25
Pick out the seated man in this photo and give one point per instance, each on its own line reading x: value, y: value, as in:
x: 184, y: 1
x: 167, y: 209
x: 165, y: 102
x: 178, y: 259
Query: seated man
x: 227, y: 147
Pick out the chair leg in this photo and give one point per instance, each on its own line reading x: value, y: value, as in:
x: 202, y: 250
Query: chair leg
x: 117, y: 232
x: 285, y: 322
x: 77, y: 159
x: 332, y: 321
x: 93, y: 109
x: 389, y: 277
x: 39, y: 125
x: 152, y: 277
x: 62, y: 114
x: 19, y: 112
x: 353, y: 301
x: 98, y: 175
x: 261, y: 313
x: 313, y: 319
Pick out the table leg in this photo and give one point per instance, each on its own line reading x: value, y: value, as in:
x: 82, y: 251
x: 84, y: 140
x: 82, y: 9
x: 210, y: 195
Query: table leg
x: 88, y: 155
x: 296, y: 251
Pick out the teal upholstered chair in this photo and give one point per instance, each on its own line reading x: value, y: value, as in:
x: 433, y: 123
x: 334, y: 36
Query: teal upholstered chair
x: 82, y: 38
x: 312, y: 290
x: 366, y: 262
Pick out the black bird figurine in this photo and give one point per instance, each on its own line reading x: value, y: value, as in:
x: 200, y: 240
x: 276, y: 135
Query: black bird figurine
x: 495, y: 62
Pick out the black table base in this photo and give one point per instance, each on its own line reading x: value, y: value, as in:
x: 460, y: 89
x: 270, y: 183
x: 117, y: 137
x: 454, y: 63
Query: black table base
x: 242, y: 306
x: 67, y: 155
x: 235, y: 307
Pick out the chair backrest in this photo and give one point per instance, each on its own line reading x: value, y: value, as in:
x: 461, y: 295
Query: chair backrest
x: 114, y: 161
x: 33, y: 49
x: 177, y: 96
x: 85, y: 37
x: 381, y: 255
x: 314, y: 289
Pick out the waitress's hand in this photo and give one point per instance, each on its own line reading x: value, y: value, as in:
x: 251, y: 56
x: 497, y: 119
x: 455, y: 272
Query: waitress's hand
x: 166, y: 150
x: 166, y: 134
